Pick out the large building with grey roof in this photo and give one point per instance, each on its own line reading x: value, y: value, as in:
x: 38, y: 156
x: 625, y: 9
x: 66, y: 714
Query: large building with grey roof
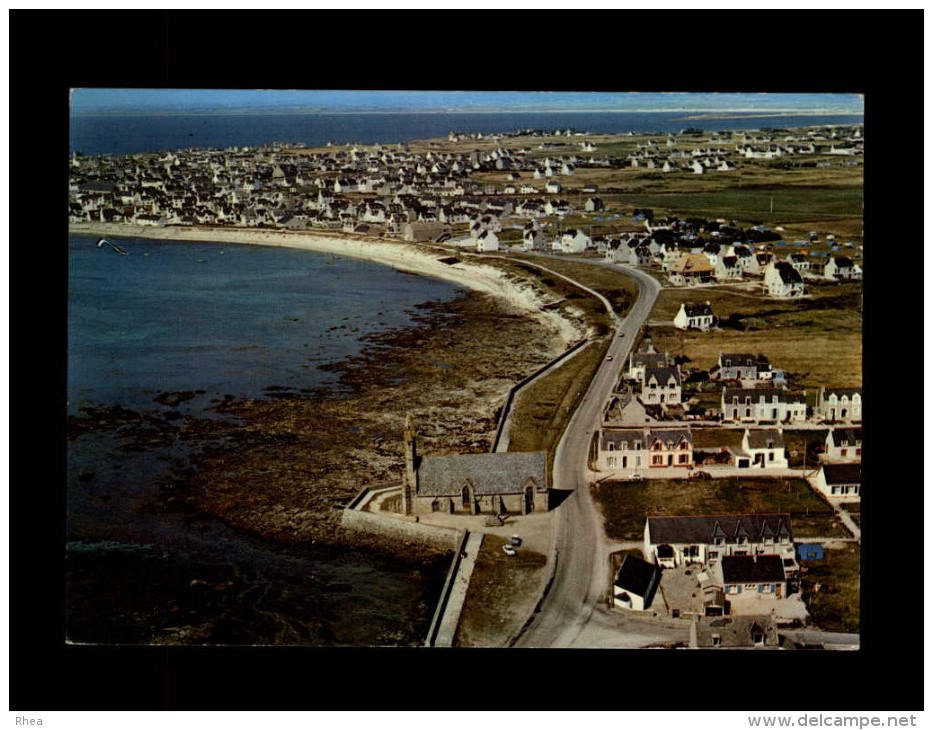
x: 489, y: 483
x: 683, y: 540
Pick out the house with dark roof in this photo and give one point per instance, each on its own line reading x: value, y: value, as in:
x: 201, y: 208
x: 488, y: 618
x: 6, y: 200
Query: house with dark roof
x: 783, y: 280
x: 840, y: 405
x: 636, y: 584
x: 764, y: 404
x: 839, y: 482
x: 734, y: 632
x: 765, y: 448
x: 639, y: 448
x: 661, y: 385
x: 695, y: 316
x: 683, y: 540
x: 488, y: 483
x: 738, y: 366
x: 760, y: 576
x: 843, y: 444
x: 841, y: 268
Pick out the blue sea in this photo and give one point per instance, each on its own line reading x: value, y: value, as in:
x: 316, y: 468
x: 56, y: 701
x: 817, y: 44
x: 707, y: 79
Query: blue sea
x: 97, y: 135
x: 216, y: 319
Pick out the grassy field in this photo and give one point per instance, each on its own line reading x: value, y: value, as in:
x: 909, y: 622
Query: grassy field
x: 488, y: 618
x: 835, y: 607
x: 626, y: 505
x: 544, y: 407
x: 817, y: 340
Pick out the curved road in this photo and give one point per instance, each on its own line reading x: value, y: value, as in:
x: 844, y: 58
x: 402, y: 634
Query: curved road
x: 574, y: 613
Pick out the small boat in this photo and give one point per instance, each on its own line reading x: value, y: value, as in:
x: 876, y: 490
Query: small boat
x: 201, y: 261
x: 115, y: 247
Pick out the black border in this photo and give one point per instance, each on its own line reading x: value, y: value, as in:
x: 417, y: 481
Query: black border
x: 793, y: 51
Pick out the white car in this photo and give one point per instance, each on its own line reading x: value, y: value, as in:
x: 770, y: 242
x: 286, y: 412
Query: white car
x: 508, y: 550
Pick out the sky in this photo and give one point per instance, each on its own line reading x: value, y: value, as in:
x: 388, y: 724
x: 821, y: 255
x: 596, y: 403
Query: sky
x: 104, y: 101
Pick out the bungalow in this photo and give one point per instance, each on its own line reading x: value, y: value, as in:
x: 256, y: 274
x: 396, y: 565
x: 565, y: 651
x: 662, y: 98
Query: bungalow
x: 763, y: 404
x: 636, y: 584
x: 839, y: 482
x: 761, y: 576
x: 843, y: 445
x: 694, y: 316
x: 783, y: 280
x: 840, y: 404
x: 765, y: 447
x: 674, y: 541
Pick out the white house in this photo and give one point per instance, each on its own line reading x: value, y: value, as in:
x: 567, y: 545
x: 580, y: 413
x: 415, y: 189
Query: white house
x: 694, y: 316
x: 645, y: 448
x: 574, y: 241
x: 839, y: 482
x: 699, y: 539
x: 765, y: 447
x: 764, y: 404
x: 661, y: 385
x: 553, y: 187
x: 635, y: 584
x: 840, y: 404
x: 843, y: 445
x: 487, y: 241
x: 842, y: 268
x: 783, y: 280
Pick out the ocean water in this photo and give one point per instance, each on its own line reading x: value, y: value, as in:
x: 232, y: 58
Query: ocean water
x: 96, y: 135
x: 222, y: 319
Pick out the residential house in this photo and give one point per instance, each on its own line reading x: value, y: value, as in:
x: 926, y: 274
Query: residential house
x: 734, y: 632
x: 487, y: 241
x: 694, y: 316
x: 754, y: 575
x: 661, y: 385
x: 691, y: 269
x: 553, y: 187
x: 765, y: 447
x: 421, y: 231
x: 573, y: 241
x: 842, y: 268
x: 839, y: 482
x: 764, y: 404
x: 645, y: 448
x: 674, y: 541
x: 843, y: 445
x: 840, y: 405
x: 638, y: 362
x: 727, y: 267
x: 738, y: 366
x: 636, y: 584
x: 783, y: 280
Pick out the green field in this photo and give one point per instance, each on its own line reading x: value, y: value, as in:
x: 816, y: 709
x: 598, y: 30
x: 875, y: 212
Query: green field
x: 626, y: 505
x: 835, y: 606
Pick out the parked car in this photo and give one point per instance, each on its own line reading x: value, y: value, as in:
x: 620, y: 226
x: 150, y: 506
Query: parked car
x: 701, y: 475
x: 636, y: 477
x: 508, y: 550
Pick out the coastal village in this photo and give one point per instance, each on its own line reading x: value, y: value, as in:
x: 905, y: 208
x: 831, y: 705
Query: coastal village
x: 690, y: 410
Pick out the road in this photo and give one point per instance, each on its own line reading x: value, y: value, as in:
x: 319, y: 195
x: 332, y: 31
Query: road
x: 574, y: 613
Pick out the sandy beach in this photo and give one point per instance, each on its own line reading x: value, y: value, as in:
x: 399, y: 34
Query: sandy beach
x: 399, y: 255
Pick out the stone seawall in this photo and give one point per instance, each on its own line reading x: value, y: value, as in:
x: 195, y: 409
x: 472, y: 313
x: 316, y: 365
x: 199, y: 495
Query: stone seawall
x: 400, y: 528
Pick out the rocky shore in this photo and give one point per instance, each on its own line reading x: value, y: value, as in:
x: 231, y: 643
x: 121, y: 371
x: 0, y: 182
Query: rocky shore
x: 281, y: 467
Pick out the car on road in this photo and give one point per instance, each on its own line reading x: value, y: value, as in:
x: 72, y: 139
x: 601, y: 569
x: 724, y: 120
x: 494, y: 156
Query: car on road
x: 608, y: 357
x: 701, y: 475
x: 621, y: 334
x: 636, y: 477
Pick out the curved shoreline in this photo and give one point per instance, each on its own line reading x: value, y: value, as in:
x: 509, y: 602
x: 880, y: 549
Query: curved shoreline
x: 399, y: 255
